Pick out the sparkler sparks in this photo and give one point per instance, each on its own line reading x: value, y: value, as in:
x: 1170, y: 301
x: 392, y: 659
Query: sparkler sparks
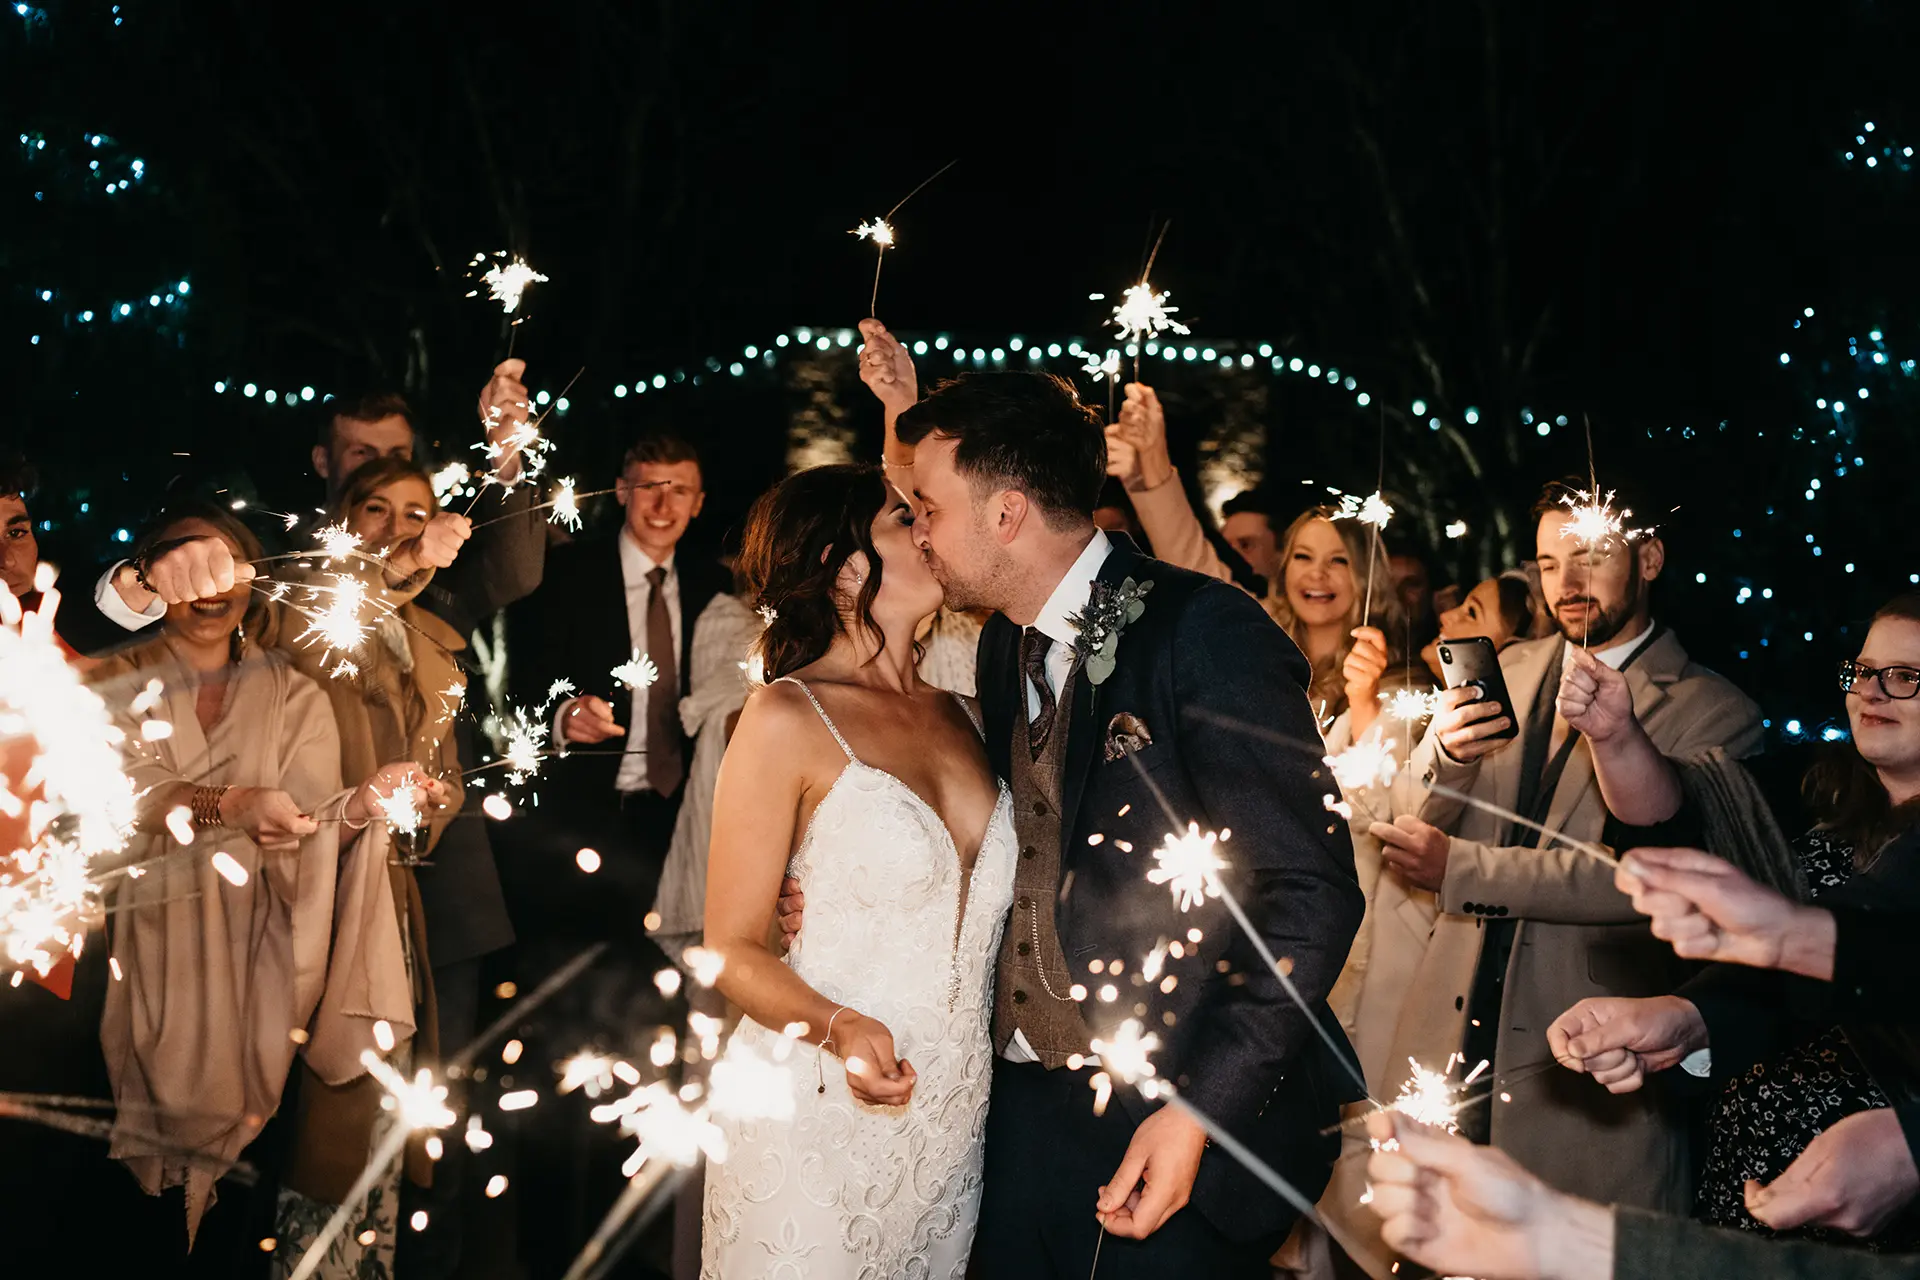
x: 745, y: 1086
x: 1098, y: 366
x: 566, y: 506
x: 525, y: 738
x: 64, y: 800
x: 340, y: 625
x: 1371, y: 510
x: 1144, y: 313
x: 450, y: 480
x: 1595, y: 523
x: 336, y: 543
x: 1364, y: 764
x: 1410, y: 705
x: 880, y: 231
x: 506, y: 280
x: 1129, y: 1053
x: 400, y: 809
x: 637, y: 672
x: 1189, y: 865
x: 1429, y: 1098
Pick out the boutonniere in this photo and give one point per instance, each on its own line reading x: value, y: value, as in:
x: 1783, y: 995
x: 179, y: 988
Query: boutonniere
x: 1109, y: 609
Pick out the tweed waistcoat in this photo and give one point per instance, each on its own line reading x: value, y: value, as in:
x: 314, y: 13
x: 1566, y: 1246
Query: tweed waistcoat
x: 1032, y: 982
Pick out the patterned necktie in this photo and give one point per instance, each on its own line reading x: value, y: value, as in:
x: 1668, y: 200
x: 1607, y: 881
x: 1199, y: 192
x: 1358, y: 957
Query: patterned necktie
x: 666, y: 769
x: 1033, y: 660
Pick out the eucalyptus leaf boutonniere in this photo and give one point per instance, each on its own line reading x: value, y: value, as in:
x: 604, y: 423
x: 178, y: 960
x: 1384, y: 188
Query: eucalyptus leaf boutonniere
x: 1109, y: 609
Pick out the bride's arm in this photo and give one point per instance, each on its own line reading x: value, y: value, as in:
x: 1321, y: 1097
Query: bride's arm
x: 756, y: 807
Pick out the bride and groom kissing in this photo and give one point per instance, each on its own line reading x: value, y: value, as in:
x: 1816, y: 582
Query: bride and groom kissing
x: 972, y: 907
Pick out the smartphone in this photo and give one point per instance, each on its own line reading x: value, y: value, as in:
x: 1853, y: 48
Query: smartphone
x: 1476, y: 662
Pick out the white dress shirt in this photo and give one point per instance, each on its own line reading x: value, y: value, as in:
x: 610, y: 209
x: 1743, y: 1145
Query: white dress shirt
x: 115, y: 609
x: 635, y: 565
x: 1070, y: 596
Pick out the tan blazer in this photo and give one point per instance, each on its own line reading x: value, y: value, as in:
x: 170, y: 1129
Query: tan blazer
x: 1577, y: 937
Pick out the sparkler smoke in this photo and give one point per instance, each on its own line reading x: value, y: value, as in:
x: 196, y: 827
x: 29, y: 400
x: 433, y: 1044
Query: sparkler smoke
x: 64, y: 799
x: 637, y: 672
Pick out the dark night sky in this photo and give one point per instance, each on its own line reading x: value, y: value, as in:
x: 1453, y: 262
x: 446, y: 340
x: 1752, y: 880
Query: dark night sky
x: 1603, y: 209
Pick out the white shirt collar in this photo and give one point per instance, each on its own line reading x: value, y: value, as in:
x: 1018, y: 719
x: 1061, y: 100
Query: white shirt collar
x: 1071, y: 593
x: 1615, y: 654
x: 635, y: 563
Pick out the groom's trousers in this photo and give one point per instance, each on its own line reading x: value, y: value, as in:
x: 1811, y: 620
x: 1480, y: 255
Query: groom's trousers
x: 1047, y: 1157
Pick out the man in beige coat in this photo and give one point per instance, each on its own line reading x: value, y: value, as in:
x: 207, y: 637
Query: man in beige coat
x: 1529, y: 926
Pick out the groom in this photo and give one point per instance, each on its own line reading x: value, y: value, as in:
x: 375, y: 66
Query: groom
x: 1112, y: 685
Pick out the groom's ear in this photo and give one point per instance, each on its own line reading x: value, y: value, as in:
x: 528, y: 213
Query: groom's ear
x: 1013, y: 511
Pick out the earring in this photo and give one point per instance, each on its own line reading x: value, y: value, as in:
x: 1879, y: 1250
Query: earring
x: 238, y: 646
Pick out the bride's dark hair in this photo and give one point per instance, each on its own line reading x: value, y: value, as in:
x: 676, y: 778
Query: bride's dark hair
x: 798, y: 535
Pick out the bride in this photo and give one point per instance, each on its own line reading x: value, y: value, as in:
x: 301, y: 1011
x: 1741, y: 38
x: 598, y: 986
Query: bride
x: 872, y: 788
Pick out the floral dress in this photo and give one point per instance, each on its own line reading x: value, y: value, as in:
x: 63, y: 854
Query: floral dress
x: 1765, y: 1117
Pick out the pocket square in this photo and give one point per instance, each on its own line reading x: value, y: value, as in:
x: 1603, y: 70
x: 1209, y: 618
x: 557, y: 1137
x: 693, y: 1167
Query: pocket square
x: 1125, y: 735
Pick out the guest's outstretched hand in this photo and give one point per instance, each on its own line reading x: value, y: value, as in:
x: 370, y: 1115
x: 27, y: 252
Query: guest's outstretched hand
x: 1710, y: 910
x: 1462, y: 1209
x: 1620, y: 1041
x: 1594, y: 698
x: 182, y: 570
x: 887, y: 369
x: 1142, y: 430
x: 1853, y: 1177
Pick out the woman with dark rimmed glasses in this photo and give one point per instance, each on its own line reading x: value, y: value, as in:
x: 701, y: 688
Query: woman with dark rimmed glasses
x: 1864, y: 793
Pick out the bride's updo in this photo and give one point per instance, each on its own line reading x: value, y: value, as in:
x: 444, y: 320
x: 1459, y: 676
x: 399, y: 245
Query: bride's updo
x: 798, y: 536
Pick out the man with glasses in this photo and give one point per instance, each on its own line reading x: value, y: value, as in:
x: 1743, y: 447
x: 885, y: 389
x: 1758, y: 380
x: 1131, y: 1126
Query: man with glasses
x: 1528, y: 925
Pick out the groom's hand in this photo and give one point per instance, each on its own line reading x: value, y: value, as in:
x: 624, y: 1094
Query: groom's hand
x: 793, y: 905
x: 585, y: 721
x: 1155, y: 1178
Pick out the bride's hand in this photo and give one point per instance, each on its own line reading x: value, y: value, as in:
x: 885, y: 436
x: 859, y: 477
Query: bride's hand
x: 874, y: 1075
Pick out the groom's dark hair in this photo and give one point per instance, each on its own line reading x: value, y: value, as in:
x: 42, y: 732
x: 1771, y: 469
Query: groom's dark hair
x: 1025, y: 431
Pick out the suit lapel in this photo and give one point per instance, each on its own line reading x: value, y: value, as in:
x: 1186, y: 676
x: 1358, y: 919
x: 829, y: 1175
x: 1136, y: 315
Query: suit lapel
x: 998, y: 689
x: 1083, y: 724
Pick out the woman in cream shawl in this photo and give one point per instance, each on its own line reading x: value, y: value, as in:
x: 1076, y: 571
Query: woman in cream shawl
x: 273, y: 927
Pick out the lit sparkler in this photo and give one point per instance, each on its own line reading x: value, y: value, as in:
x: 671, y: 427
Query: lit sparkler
x: 1129, y: 1053
x: 745, y: 1086
x: 506, y: 280
x: 1144, y: 314
x: 450, y: 480
x: 64, y: 800
x: 340, y: 625
x: 1410, y: 705
x: 1456, y: 528
x: 400, y: 809
x: 1101, y: 366
x: 1429, y: 1098
x: 566, y: 506
x: 880, y: 231
x: 1595, y: 523
x: 1372, y: 510
x: 1364, y: 764
x: 1190, y: 865
x: 336, y: 543
x: 525, y: 737
x: 637, y: 672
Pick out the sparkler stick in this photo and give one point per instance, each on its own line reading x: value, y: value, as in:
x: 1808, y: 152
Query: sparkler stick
x: 527, y: 444
x: 1497, y: 811
x: 636, y: 1194
x: 559, y: 505
x: 880, y: 231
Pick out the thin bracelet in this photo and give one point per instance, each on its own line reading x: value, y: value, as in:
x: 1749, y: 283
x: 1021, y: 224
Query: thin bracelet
x: 205, y: 805
x: 820, y: 1070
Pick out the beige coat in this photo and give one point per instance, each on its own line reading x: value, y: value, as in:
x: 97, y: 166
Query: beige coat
x: 1578, y: 936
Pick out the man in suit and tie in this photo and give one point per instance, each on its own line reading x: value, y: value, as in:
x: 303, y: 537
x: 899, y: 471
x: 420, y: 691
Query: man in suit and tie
x: 1529, y: 926
x: 617, y: 788
x: 1106, y: 682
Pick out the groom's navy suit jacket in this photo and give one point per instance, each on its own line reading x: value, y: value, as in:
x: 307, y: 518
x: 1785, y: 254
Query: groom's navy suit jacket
x: 1236, y: 1046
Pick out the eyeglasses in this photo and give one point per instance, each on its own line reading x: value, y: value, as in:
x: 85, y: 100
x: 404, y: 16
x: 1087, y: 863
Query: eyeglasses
x: 1896, y: 682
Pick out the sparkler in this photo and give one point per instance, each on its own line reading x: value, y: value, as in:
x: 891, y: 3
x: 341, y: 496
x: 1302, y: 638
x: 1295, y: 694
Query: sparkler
x: 566, y: 506
x: 400, y: 810
x: 339, y: 627
x: 506, y: 280
x: 1108, y: 367
x: 1364, y: 764
x: 449, y: 480
x: 1129, y: 1055
x: 64, y: 800
x: 880, y: 232
x: 336, y: 543
x: 1373, y: 512
x: 637, y: 672
x: 1428, y: 1097
x: 524, y: 739
x: 1189, y: 864
x: 1410, y: 705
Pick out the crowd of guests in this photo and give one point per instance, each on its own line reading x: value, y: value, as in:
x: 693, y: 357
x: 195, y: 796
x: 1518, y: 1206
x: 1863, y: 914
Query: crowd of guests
x: 1631, y: 1043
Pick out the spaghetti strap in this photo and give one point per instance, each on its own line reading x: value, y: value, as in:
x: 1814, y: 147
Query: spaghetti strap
x: 972, y: 715
x: 824, y: 718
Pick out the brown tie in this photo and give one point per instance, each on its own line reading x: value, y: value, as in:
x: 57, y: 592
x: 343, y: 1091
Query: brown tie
x: 1033, y: 660
x: 665, y: 766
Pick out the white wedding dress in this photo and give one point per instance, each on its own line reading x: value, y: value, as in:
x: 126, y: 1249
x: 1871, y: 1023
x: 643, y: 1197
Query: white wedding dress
x: 842, y: 1190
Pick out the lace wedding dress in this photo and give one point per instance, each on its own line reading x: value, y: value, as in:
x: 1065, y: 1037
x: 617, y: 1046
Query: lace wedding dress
x: 842, y: 1190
